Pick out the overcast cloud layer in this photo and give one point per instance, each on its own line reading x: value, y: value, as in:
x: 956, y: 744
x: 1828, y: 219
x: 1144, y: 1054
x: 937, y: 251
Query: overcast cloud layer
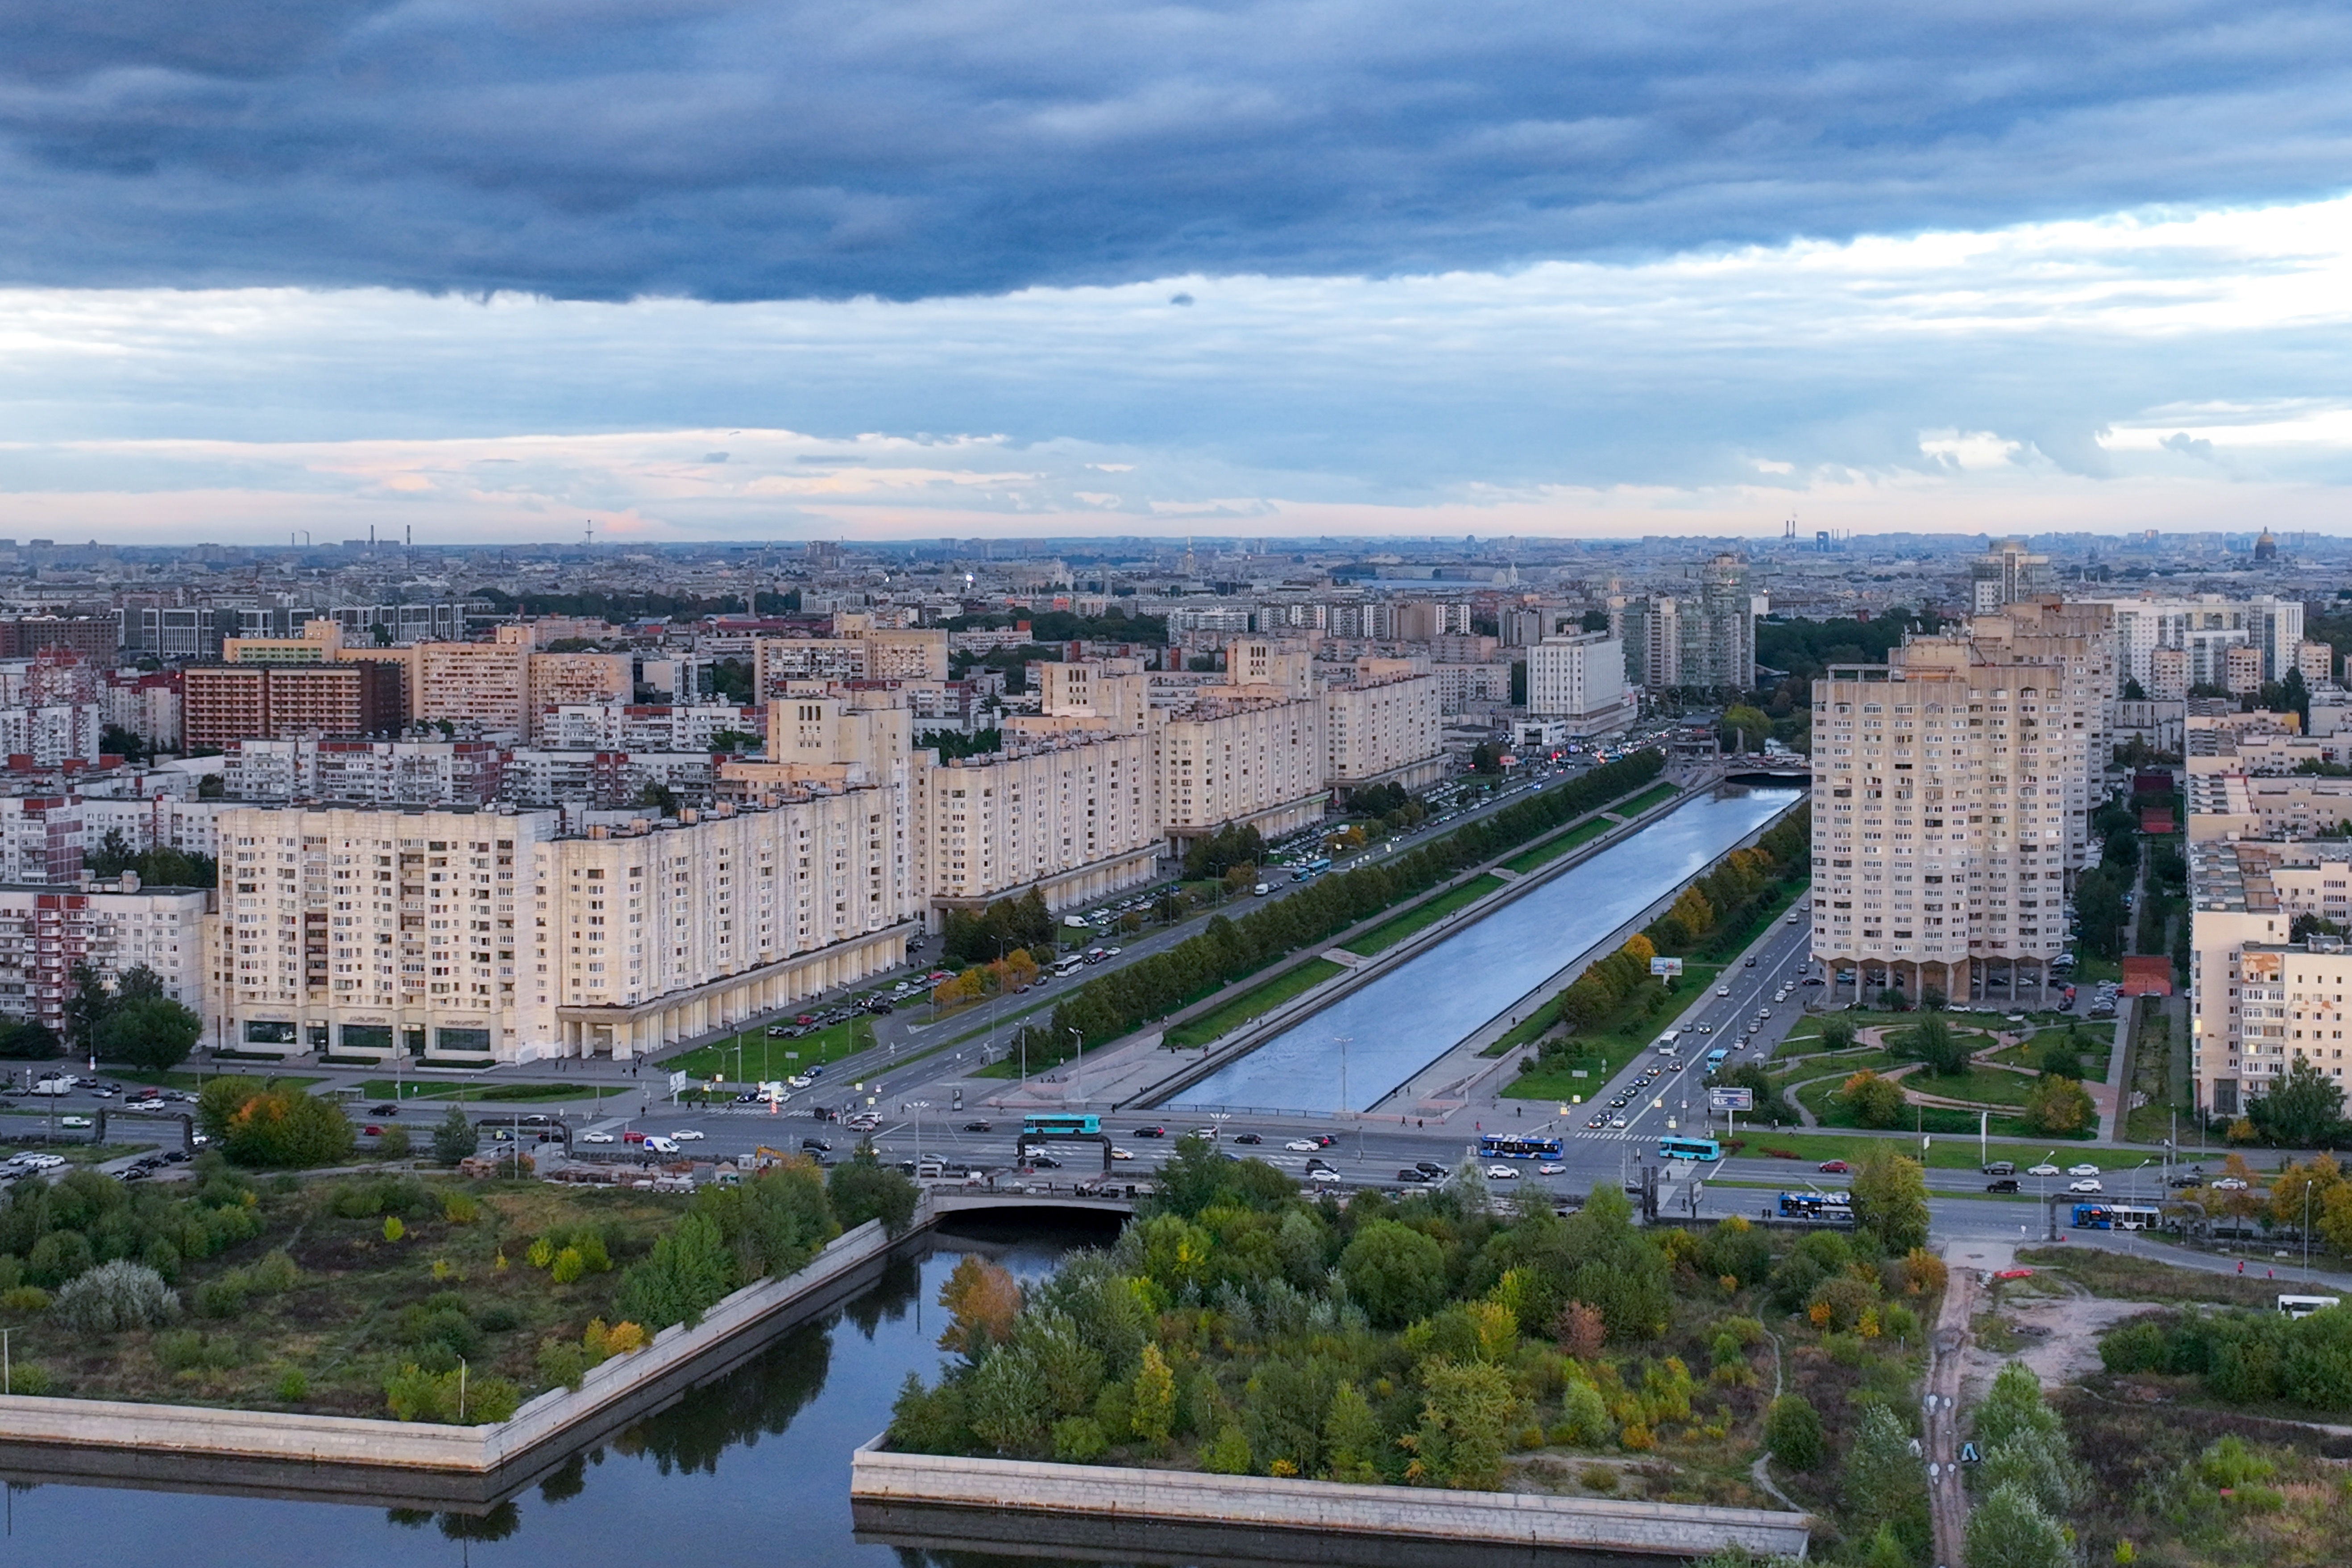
x: 2124, y: 373
x: 746, y: 149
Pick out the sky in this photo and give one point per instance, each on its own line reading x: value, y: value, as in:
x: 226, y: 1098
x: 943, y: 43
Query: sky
x: 694, y: 268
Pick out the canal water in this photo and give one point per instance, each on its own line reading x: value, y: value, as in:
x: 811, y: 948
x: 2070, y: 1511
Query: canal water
x: 753, y: 1469
x: 1408, y: 1018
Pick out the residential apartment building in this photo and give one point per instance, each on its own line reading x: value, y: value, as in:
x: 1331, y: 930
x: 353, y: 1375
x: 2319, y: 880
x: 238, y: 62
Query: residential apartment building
x: 649, y: 727
x: 2203, y: 627
x: 1580, y: 681
x: 1651, y: 630
x: 482, y: 683
x: 1462, y: 686
x: 109, y: 925
x: 146, y: 705
x: 2006, y: 575
x: 560, y: 680
x: 1068, y: 815
x: 2316, y: 661
x: 1943, y: 795
x: 225, y: 703
x: 377, y: 773
x: 469, y: 936
x: 2259, y: 998
x: 1382, y: 726
x: 1258, y: 761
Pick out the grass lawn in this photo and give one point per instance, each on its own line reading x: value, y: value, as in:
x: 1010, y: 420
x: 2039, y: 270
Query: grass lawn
x: 2090, y: 969
x: 1533, y: 1026
x: 2126, y: 1277
x: 765, y: 1061
x: 1556, y: 1080
x: 1551, y: 849
x: 192, y: 1081
x: 1843, y: 1064
x: 1821, y: 1099
x: 2152, y: 1075
x: 1388, y: 933
x: 1646, y: 799
x: 1254, y: 1003
x: 1980, y: 1086
x: 471, y: 1093
x: 1946, y: 1149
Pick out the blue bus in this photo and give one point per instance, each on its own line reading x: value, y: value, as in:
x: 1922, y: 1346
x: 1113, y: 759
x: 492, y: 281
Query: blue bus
x: 1503, y: 1146
x: 1834, y: 1207
x: 1308, y: 871
x: 2114, y: 1217
x: 1672, y: 1148
x: 1054, y: 1125
x: 1716, y: 1057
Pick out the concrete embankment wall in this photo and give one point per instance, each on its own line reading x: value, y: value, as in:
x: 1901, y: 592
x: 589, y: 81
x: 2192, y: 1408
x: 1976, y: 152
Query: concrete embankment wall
x: 619, y: 1390
x: 881, y: 1478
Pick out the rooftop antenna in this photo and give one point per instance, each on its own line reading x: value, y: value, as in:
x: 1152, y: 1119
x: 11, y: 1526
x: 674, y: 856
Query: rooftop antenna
x: 588, y: 534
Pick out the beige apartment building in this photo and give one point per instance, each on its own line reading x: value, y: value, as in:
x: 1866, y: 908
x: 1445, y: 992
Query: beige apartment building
x: 2258, y: 999
x: 1068, y: 815
x: 558, y: 680
x: 113, y: 925
x: 1943, y: 791
x: 468, y: 936
x: 1250, y: 761
x: 1383, y: 727
x: 483, y: 683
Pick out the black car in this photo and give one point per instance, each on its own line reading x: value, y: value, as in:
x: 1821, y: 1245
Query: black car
x: 1247, y: 1137
x: 1044, y: 1163
x: 2002, y: 1185
x: 817, y: 1144
x: 386, y: 1108
x: 979, y: 1126
x: 1429, y: 1168
x: 1151, y: 1132
x: 1416, y: 1177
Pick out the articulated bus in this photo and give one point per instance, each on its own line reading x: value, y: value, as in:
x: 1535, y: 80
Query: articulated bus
x: 1834, y: 1207
x: 2304, y: 1306
x: 1060, y: 1126
x: 1672, y: 1148
x: 1307, y: 872
x: 2114, y: 1217
x: 1498, y: 1146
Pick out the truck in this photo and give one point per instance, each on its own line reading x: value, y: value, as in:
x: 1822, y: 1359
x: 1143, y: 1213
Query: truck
x: 53, y: 1086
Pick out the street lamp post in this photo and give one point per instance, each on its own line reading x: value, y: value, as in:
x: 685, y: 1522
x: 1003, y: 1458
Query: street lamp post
x: 1078, y: 1073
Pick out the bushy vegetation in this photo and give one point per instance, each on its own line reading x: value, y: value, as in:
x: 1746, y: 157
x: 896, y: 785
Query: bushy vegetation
x: 2027, y: 1482
x: 1005, y: 927
x: 2245, y: 1357
x: 258, y: 1124
x: 1239, y: 1327
x: 1229, y: 950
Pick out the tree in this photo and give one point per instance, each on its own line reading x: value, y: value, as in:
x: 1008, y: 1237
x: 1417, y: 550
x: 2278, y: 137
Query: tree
x: 1875, y: 1101
x: 1837, y: 1033
x: 1151, y: 1406
x: 258, y: 1123
x: 1793, y: 1430
x: 2060, y: 1058
x: 153, y: 1032
x: 1469, y: 1412
x: 86, y: 1005
x: 1932, y: 1042
x: 24, y: 1039
x: 860, y: 1190
x: 1745, y: 728
x: 1395, y: 1272
x: 1890, y: 1201
x: 2008, y: 1530
x: 455, y: 1136
x: 983, y: 1300
x: 2302, y: 1110
x: 2059, y: 1105
x: 687, y: 1272
x: 2099, y: 903
x: 1886, y: 1483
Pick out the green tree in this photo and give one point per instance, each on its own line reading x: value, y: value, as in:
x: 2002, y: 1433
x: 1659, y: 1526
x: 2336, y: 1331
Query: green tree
x: 1006, y: 1404
x: 455, y: 1136
x: 2058, y: 1105
x: 1837, y: 1033
x: 1793, y: 1430
x: 1395, y: 1272
x: 258, y: 1123
x: 87, y: 1005
x: 1890, y: 1201
x: 2008, y: 1530
x: 1152, y: 1403
x: 1932, y: 1042
x: 1469, y: 1412
x: 1884, y: 1482
x: 2304, y: 1110
x: 1745, y: 728
x: 687, y: 1272
x: 1352, y: 1437
x: 152, y: 1033
x: 2061, y: 1058
x: 863, y: 1189
x: 24, y: 1039
x: 1875, y: 1101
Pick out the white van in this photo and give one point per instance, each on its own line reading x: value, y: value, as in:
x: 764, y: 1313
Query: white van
x: 661, y: 1145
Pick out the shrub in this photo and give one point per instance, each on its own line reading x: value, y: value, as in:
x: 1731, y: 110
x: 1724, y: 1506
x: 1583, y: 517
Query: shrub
x: 455, y: 1136
x: 292, y: 1387
x: 1792, y: 1431
x: 222, y: 1298
x: 393, y: 1229
x: 113, y: 1296
x: 452, y: 1398
x: 261, y: 1125
x: 24, y: 1299
x: 393, y: 1145
x: 569, y: 1266
x: 1080, y: 1440
x: 459, y: 1208
x: 275, y: 1274
x: 28, y: 1377
x: 541, y: 1253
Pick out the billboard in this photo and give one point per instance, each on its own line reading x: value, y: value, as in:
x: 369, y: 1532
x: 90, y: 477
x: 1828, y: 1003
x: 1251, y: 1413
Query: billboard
x: 1669, y: 968
x: 1731, y: 1099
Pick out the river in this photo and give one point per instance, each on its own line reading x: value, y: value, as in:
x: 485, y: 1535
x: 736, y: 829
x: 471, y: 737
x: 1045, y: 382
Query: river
x: 751, y: 1468
x: 1413, y: 1015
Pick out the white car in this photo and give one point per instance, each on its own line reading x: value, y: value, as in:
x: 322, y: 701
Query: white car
x: 687, y: 1135
x: 73, y: 1121
x: 2230, y: 1185
x: 1302, y: 1146
x: 1551, y: 1170
x: 1502, y: 1174
x: 1723, y: 991
x: 595, y: 1137
x: 2088, y: 1185
x: 2043, y: 1171
x: 2085, y: 1169
x: 38, y: 1162
x: 797, y: 1082
x: 1323, y: 1173
x: 1616, y: 1121
x: 1118, y: 1153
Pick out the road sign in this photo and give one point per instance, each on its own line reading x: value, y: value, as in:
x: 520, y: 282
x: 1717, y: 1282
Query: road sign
x: 676, y: 1082
x: 1670, y: 968
x: 1731, y: 1099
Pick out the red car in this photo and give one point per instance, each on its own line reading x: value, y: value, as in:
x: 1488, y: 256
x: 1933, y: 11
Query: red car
x: 1835, y: 1167
x: 633, y: 1137
x: 372, y: 1131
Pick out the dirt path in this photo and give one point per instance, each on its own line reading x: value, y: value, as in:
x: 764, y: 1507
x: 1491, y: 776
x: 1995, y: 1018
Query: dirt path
x: 1947, y: 1501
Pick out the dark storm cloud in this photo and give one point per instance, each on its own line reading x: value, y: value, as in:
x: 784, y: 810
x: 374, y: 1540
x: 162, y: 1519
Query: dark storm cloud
x: 595, y: 149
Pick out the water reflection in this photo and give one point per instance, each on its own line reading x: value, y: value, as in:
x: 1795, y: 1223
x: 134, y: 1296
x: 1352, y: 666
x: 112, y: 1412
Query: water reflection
x: 751, y: 1467
x: 1400, y: 1023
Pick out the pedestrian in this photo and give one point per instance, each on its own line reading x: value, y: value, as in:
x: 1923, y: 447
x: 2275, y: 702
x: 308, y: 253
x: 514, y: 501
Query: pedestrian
x: 2241, y: 1266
